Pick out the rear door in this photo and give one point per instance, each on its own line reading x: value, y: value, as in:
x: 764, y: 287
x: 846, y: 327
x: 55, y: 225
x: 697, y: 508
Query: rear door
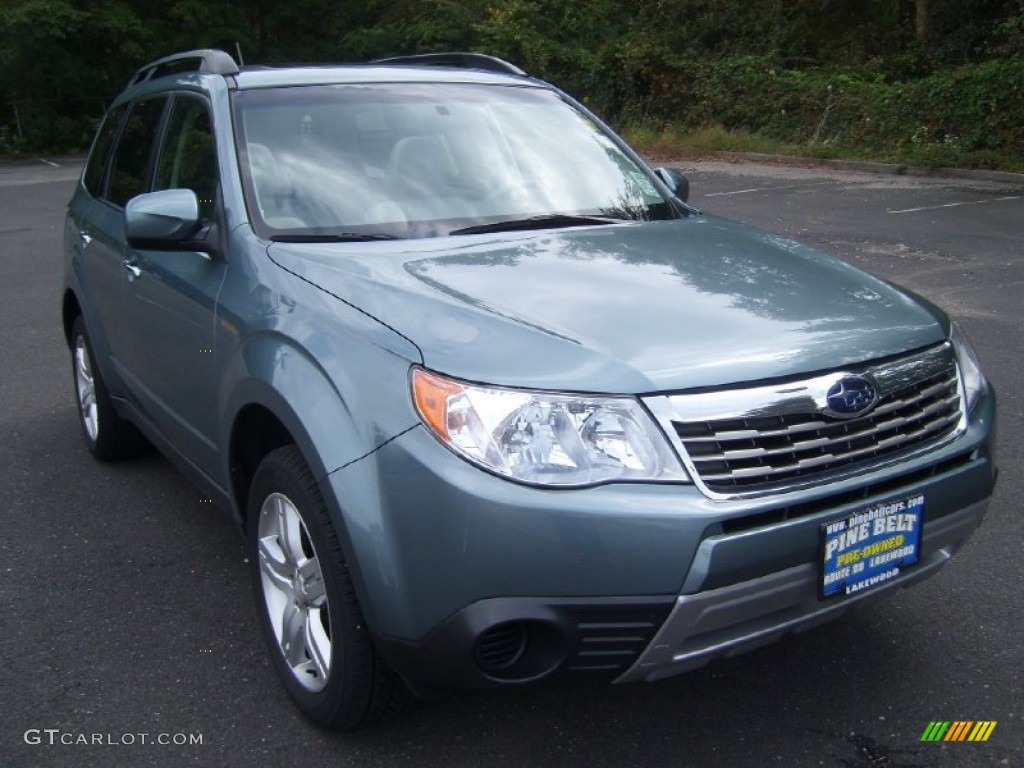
x: 80, y: 232
x: 97, y: 213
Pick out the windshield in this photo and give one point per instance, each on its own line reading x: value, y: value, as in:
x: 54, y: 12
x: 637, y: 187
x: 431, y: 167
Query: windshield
x: 425, y: 160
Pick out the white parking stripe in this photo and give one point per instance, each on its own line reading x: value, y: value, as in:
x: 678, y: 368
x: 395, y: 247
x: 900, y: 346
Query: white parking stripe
x: 766, y: 189
x: 48, y: 162
x: 954, y: 205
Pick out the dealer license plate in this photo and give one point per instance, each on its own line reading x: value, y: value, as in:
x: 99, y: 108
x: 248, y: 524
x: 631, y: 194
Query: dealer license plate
x: 870, y: 547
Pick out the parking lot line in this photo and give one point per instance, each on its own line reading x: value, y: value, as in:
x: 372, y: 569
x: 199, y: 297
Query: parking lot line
x: 766, y: 189
x: 954, y: 205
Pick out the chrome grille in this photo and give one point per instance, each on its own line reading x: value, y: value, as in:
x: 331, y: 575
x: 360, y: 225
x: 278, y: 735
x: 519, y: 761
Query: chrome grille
x: 763, y: 438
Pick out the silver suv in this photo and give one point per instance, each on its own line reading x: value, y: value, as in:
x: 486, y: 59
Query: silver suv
x: 491, y: 400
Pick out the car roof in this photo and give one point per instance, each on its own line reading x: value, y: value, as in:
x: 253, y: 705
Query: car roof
x: 191, y: 67
x: 275, y: 77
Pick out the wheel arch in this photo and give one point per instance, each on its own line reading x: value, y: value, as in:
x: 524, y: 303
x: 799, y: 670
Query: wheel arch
x: 256, y: 432
x: 275, y: 394
x: 274, y: 389
x: 70, y: 309
x: 264, y: 421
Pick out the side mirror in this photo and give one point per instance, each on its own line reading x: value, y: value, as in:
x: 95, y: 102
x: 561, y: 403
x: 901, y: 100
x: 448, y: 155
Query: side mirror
x: 676, y: 182
x: 161, y: 220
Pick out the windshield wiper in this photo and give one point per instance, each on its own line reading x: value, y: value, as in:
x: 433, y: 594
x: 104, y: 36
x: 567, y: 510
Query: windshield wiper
x: 337, y: 237
x: 545, y: 221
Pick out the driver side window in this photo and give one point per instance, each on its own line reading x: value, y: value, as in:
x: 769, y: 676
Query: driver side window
x: 188, y: 159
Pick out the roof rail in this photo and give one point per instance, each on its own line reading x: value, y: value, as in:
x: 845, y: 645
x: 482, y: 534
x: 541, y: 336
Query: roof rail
x: 456, y: 59
x: 201, y: 60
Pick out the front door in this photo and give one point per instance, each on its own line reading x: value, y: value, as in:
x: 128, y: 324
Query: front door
x: 168, y: 344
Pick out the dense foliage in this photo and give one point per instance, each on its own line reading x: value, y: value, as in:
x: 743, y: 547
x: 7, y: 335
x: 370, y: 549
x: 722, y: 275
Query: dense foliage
x: 938, y: 81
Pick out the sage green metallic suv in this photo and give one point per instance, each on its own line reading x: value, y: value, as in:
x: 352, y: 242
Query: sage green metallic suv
x: 491, y: 400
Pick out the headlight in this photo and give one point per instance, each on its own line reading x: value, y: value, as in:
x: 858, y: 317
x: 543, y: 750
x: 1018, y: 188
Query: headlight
x: 545, y: 438
x: 970, y: 368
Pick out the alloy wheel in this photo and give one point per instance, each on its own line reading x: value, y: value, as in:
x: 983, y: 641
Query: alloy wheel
x: 294, y: 592
x: 86, y: 387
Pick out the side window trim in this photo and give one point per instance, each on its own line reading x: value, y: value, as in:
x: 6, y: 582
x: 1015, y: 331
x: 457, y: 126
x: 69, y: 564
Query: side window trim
x: 158, y: 139
x: 158, y: 142
x: 177, y: 98
x: 101, y: 188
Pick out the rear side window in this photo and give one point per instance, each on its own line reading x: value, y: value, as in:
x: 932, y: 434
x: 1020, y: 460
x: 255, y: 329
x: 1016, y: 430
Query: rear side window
x: 188, y: 159
x: 93, y: 178
x: 129, y: 173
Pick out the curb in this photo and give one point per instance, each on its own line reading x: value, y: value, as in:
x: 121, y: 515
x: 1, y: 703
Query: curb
x: 894, y: 169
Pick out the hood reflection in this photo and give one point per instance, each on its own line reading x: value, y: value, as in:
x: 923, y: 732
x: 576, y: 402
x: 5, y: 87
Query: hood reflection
x: 684, y: 304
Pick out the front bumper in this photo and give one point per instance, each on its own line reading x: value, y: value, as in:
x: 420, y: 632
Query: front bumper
x: 469, y: 580
x: 738, y: 618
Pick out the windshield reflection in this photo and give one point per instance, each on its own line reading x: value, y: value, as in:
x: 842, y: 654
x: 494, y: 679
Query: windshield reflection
x: 422, y: 160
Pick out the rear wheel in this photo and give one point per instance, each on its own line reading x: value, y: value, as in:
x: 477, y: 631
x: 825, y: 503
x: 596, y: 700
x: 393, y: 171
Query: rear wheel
x: 308, y: 608
x: 108, y: 436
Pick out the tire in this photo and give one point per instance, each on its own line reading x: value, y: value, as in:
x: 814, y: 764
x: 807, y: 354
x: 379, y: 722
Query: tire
x: 107, y: 435
x: 308, y: 609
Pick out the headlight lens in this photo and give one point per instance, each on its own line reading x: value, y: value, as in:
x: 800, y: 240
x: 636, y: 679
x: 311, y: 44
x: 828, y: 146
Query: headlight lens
x: 545, y: 438
x: 970, y: 368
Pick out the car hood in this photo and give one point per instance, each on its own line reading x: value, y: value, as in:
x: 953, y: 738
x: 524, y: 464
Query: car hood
x: 635, y: 308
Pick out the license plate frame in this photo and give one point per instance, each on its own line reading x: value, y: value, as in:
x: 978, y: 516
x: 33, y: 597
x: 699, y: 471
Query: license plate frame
x: 864, y: 549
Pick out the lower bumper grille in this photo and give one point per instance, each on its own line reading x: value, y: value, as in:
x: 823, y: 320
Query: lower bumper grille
x: 611, y: 639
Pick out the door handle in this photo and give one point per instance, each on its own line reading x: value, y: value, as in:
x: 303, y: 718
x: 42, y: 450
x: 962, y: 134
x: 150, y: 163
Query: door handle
x: 85, y: 237
x: 133, y: 270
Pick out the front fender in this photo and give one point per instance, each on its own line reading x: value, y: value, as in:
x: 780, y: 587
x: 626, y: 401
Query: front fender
x: 335, y: 418
x: 334, y: 377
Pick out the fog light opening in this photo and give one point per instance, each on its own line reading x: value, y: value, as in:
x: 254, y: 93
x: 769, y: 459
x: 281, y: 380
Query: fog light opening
x: 520, y: 651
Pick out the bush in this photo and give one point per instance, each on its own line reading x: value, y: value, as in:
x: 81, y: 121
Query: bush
x: 936, y: 120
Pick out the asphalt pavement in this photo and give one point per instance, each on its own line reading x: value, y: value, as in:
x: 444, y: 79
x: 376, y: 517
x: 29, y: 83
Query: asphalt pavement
x: 126, y: 616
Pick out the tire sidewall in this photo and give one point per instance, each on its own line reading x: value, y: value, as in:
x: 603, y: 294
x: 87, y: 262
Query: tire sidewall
x: 78, y: 331
x: 116, y: 437
x: 340, y: 702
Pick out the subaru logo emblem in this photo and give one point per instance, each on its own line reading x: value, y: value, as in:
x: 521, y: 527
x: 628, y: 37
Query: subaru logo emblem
x: 850, y: 396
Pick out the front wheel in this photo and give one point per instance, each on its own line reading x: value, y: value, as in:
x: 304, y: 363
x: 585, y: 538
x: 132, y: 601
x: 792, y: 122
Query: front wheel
x: 308, y: 608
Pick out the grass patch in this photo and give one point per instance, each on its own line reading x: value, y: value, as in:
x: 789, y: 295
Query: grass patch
x: 680, y: 141
x: 673, y: 139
